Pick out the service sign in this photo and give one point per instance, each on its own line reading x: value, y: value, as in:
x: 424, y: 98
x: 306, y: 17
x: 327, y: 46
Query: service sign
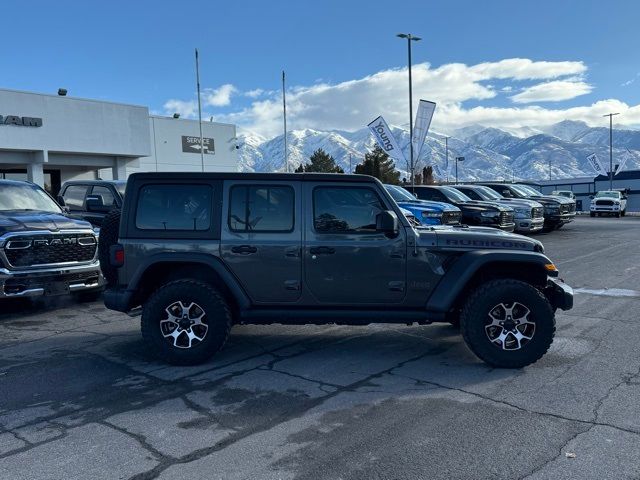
x: 192, y: 145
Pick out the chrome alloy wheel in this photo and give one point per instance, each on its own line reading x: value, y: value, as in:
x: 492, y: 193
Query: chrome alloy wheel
x: 185, y: 325
x: 508, y: 326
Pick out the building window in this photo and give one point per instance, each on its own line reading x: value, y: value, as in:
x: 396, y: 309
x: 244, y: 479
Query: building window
x: 261, y: 208
x: 345, y: 210
x: 174, y: 207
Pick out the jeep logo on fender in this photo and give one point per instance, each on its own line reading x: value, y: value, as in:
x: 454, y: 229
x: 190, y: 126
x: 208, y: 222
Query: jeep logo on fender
x: 487, y: 243
x: 20, y: 121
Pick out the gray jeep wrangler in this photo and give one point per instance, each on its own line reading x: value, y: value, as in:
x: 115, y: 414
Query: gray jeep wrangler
x: 197, y: 253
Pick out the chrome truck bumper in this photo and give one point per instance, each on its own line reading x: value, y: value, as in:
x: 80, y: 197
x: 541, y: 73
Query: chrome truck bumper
x: 50, y: 281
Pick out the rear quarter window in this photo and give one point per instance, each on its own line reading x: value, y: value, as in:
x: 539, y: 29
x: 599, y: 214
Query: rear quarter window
x: 168, y: 207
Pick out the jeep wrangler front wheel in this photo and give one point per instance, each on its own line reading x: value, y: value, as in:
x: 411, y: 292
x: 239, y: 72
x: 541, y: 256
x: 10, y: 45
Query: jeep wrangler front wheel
x: 508, y: 323
x: 186, y: 322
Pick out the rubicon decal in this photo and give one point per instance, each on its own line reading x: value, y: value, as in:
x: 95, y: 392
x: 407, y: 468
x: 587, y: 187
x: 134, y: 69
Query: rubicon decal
x: 487, y: 243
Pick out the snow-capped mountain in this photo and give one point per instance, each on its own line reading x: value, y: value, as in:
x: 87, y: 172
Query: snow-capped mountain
x: 490, y: 153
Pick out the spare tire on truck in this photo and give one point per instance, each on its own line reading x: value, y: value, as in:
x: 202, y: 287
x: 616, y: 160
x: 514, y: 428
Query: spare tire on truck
x: 108, y: 236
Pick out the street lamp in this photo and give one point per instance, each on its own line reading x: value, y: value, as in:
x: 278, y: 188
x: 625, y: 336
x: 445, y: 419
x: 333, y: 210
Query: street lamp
x: 458, y: 159
x: 610, y: 115
x: 410, y: 38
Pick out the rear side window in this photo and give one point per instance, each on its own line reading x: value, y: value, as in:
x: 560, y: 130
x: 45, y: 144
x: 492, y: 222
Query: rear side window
x: 74, y: 196
x: 345, y: 210
x: 174, y: 207
x: 107, y: 197
x: 261, y: 208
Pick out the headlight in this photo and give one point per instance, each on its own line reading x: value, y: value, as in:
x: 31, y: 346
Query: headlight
x: 553, y: 209
x: 431, y: 214
x: 488, y: 214
x: 523, y: 211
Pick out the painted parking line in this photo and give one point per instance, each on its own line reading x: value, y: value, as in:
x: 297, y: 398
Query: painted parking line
x: 608, y: 292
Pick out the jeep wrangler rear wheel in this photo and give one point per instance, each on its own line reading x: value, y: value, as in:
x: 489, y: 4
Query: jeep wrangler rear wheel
x: 508, y: 323
x: 186, y: 322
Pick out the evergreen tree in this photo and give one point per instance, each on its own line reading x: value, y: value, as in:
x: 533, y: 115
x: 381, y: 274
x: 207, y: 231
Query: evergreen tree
x: 427, y: 175
x: 378, y: 164
x: 417, y: 179
x: 321, y: 162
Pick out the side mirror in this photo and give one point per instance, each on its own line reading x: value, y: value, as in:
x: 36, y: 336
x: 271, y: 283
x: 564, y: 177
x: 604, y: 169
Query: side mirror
x: 95, y: 203
x: 591, y: 197
x: 387, y: 223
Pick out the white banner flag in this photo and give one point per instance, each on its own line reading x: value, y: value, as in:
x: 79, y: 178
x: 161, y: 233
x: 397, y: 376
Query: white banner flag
x: 595, y: 163
x: 386, y: 140
x: 623, y: 163
x: 437, y: 171
x: 421, y: 128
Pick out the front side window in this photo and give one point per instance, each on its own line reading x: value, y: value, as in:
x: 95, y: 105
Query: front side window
x: 174, y: 207
x: 74, y: 196
x: 345, y: 210
x: 261, y: 208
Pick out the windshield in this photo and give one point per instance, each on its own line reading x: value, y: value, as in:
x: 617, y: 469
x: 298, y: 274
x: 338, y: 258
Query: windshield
x: 526, y: 190
x: 488, y: 193
x: 608, y: 194
x: 453, y: 194
x: 399, y: 194
x: 121, y: 186
x: 26, y: 197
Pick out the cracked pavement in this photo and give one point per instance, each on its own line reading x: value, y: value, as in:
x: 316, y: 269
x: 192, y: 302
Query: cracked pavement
x: 81, y: 397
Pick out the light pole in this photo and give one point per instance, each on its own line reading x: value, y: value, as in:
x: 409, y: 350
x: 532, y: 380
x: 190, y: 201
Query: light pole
x: 446, y: 154
x: 610, y: 115
x: 410, y: 38
x: 458, y: 159
x: 284, y: 119
x: 199, y: 110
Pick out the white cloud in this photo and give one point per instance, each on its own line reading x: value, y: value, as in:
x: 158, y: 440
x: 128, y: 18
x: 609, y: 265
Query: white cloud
x: 554, y: 91
x: 184, y: 108
x: 351, y: 104
x: 255, y: 93
x: 219, y: 97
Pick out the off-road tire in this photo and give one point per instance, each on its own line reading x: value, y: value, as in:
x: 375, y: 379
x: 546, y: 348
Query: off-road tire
x: 217, y: 314
x: 592, y: 214
x: 109, y: 232
x: 624, y: 212
x: 617, y: 214
x: 475, y: 315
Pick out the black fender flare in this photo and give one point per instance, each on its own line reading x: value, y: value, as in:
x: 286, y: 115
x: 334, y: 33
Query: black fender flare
x: 230, y: 281
x: 466, y: 266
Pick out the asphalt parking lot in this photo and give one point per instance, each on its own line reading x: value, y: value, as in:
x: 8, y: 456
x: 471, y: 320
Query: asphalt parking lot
x: 80, y: 396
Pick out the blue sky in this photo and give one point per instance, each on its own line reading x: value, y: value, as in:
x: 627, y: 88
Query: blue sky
x: 502, y: 63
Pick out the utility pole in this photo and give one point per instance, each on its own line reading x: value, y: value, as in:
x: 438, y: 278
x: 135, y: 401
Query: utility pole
x: 350, y: 169
x: 549, y: 167
x: 458, y: 159
x: 410, y: 38
x: 284, y: 112
x: 199, y: 111
x: 610, y: 115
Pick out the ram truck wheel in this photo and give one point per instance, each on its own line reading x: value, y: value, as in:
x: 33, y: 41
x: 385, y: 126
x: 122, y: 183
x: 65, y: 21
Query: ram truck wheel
x: 508, y: 323
x: 186, y: 322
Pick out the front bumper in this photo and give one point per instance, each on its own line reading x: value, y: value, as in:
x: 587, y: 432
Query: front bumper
x: 558, y: 219
x: 559, y: 294
x: 50, y: 281
x: 605, y: 208
x: 529, y: 224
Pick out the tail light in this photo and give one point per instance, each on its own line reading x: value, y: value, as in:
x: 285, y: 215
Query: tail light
x: 116, y: 255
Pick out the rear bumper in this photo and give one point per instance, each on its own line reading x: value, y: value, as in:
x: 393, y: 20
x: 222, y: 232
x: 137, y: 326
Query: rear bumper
x: 50, y: 281
x: 117, y: 299
x: 559, y: 294
x: 529, y: 224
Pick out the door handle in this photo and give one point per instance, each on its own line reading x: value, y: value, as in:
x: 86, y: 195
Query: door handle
x: 322, y: 250
x: 244, y: 249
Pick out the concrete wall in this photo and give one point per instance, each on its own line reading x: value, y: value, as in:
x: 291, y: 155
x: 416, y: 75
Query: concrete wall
x: 75, y: 125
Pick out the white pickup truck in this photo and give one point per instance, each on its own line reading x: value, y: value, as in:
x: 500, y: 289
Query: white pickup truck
x: 610, y: 202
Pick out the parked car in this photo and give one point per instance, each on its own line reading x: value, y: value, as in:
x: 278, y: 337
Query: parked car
x: 486, y: 214
x: 427, y: 213
x: 199, y: 252
x: 410, y: 216
x: 528, y: 214
x: 564, y: 193
x: 91, y: 200
x: 558, y: 211
x: 43, y: 251
x: 609, y: 202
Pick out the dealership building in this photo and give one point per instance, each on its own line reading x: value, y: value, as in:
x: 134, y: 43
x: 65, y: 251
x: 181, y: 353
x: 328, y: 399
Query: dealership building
x: 49, y: 139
